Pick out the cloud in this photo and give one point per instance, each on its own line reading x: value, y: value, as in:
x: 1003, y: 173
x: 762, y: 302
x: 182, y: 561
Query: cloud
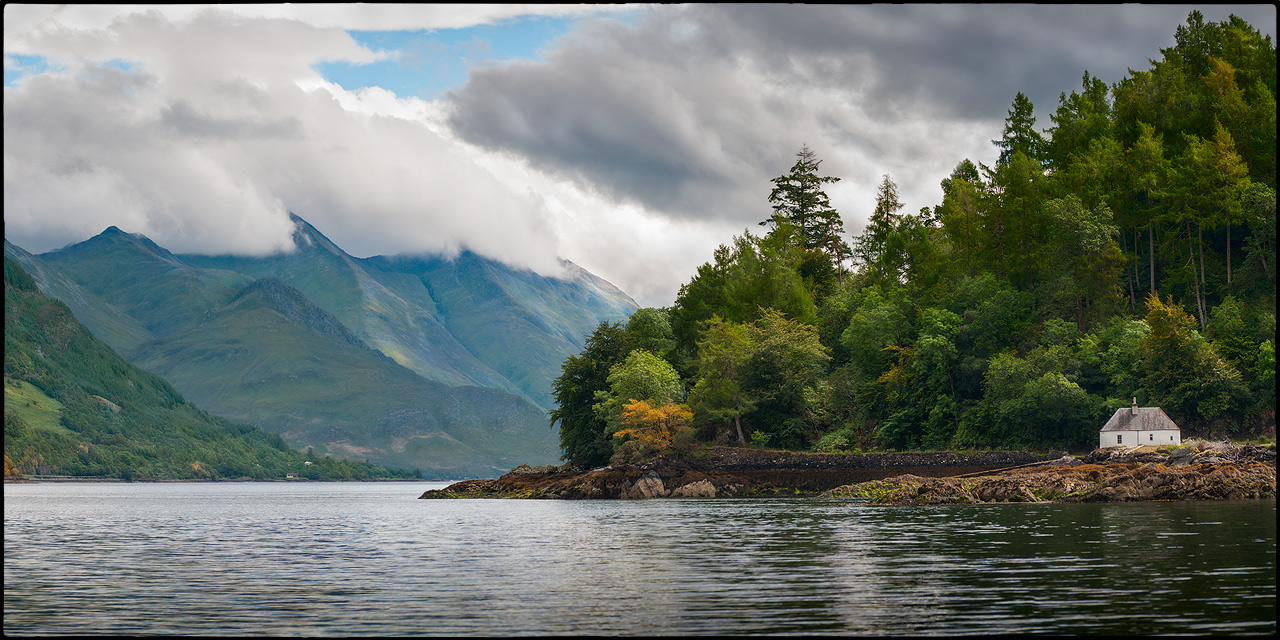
x: 208, y: 153
x: 692, y: 111
x: 20, y: 18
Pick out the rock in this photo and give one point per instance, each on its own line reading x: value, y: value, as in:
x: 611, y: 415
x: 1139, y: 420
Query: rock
x: 648, y: 486
x: 700, y: 489
x: 525, y: 469
x: 1181, y: 457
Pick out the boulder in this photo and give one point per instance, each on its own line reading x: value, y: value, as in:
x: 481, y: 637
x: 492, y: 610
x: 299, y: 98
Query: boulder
x: 649, y: 485
x: 700, y: 489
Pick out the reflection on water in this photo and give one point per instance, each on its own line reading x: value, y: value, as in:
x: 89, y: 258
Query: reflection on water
x: 370, y: 559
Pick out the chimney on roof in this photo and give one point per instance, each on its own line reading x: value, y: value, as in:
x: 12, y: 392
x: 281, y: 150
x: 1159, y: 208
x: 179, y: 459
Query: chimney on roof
x: 1134, y: 409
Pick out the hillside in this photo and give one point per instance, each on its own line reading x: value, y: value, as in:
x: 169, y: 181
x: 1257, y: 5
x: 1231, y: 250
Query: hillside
x: 394, y: 315
x: 113, y: 326
x: 520, y: 324
x: 143, y: 280
x: 74, y: 407
x: 272, y: 358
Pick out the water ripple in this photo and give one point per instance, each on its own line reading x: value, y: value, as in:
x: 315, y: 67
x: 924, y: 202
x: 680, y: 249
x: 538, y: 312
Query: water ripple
x: 369, y: 559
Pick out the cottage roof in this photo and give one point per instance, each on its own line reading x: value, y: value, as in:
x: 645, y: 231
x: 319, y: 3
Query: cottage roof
x: 1140, y: 419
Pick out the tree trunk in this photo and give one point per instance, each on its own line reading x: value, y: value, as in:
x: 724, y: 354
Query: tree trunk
x: 1133, y: 273
x: 1203, y: 296
x: 1195, y: 279
x: 737, y: 423
x: 1151, y: 254
x: 1200, y: 233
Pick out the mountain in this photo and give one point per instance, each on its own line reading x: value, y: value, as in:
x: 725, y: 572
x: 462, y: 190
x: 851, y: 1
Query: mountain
x: 72, y: 406
x: 460, y: 321
x: 272, y: 358
x: 143, y: 280
x: 519, y: 323
x: 394, y: 315
x: 110, y: 324
x: 440, y: 364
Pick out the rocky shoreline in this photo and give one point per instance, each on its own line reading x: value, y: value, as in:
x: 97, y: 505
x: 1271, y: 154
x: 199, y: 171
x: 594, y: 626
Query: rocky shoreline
x: 732, y: 472
x: 1207, y: 472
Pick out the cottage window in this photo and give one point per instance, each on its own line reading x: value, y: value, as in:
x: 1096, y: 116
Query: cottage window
x: 1119, y: 438
x: 1152, y: 437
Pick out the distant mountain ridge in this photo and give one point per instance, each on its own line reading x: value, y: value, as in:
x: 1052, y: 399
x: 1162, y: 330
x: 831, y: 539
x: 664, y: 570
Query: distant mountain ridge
x: 472, y: 330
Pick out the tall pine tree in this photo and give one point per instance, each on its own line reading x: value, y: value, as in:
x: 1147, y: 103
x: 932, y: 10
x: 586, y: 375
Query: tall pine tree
x: 798, y: 198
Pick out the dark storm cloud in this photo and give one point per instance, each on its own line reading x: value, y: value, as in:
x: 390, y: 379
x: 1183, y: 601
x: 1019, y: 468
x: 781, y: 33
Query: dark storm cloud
x: 692, y: 109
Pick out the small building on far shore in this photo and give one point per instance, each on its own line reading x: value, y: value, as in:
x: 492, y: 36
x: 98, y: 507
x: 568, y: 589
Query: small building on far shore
x: 1134, y: 425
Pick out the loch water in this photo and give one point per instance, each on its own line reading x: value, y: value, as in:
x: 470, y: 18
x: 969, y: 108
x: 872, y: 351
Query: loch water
x: 339, y: 559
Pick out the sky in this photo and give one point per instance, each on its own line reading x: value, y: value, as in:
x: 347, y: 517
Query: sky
x: 629, y: 139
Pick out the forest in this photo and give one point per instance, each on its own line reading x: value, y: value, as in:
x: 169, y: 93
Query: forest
x: 1126, y: 251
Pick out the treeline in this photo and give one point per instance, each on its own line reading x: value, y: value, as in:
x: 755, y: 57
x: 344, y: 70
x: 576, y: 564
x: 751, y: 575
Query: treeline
x: 73, y: 407
x: 1126, y: 251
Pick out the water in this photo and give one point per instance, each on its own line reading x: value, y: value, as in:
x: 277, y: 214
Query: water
x: 370, y: 559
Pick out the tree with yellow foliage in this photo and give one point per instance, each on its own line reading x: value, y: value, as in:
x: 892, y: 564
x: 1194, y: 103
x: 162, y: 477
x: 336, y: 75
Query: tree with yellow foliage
x: 652, y: 430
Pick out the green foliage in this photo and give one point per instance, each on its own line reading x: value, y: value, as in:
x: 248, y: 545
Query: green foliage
x: 786, y: 378
x: 1020, y: 135
x: 725, y: 351
x: 1185, y: 373
x: 753, y: 274
x: 878, y: 324
x: 640, y: 376
x: 584, y: 439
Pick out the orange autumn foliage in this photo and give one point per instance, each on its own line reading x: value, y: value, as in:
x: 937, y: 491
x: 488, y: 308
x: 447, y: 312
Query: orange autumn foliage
x: 654, y: 429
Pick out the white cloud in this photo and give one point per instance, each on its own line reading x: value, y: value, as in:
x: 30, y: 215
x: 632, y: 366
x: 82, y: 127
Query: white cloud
x: 207, y: 153
x: 20, y: 18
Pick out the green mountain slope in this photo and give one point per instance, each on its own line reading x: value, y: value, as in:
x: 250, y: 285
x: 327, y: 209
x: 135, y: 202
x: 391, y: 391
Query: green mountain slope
x: 393, y: 314
x: 108, y: 323
x: 272, y: 358
x: 143, y: 280
x: 461, y: 321
x: 521, y: 324
x: 75, y: 407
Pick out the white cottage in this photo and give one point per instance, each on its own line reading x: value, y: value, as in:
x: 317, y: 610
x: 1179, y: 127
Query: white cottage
x: 1139, y: 425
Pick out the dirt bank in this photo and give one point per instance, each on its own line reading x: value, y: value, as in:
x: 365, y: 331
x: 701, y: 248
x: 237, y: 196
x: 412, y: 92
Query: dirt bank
x: 1214, y: 472
x: 732, y: 472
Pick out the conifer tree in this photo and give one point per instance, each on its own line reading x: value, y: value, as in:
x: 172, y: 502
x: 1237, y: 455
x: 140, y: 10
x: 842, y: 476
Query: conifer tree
x: 1020, y: 133
x: 798, y: 198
